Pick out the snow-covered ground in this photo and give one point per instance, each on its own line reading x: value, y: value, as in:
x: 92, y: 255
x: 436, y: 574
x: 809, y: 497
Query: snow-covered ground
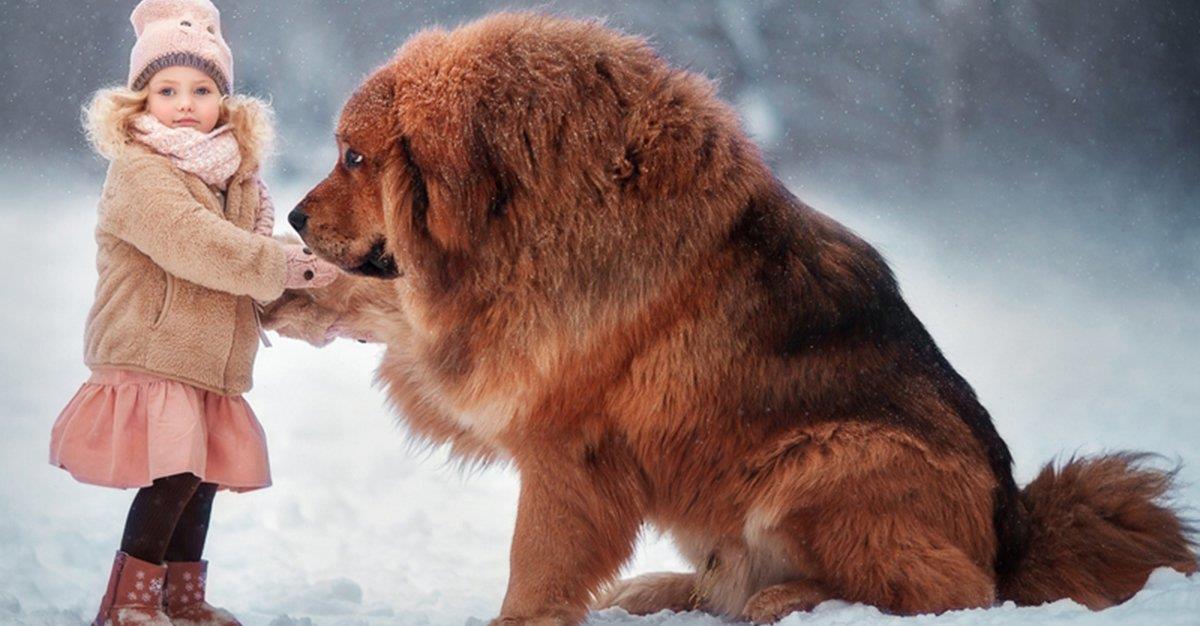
x: 360, y: 528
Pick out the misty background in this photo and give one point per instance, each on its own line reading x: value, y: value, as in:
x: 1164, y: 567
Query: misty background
x: 1030, y: 169
x: 1079, y: 116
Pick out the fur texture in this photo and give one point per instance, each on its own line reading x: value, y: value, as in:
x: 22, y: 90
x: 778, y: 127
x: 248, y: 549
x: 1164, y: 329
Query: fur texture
x: 588, y: 270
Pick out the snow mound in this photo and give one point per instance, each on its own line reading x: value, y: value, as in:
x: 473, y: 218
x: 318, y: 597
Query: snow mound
x: 1168, y: 598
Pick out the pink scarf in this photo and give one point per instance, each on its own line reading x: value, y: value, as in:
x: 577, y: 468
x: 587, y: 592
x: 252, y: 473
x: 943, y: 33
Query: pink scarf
x: 213, y: 157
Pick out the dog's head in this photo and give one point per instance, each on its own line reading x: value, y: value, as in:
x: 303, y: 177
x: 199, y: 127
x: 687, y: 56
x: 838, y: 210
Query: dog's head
x: 523, y: 152
x: 342, y: 217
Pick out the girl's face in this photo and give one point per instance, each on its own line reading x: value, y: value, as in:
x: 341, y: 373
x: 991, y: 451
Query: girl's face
x: 184, y: 97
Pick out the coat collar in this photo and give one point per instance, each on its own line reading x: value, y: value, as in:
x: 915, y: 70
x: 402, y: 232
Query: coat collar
x: 249, y: 166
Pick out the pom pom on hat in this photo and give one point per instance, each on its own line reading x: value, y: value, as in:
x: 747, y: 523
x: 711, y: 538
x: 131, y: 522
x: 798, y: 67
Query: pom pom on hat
x: 179, y: 32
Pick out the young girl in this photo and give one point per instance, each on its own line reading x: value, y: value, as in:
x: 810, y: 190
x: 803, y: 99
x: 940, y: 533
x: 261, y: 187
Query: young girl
x: 184, y: 253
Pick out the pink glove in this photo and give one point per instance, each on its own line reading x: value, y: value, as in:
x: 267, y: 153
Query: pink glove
x: 305, y: 271
x: 265, y: 223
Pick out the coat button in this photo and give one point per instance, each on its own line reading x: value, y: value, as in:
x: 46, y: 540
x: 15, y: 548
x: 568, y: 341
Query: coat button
x: 308, y: 274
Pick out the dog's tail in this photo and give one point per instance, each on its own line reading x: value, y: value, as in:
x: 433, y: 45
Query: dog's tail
x: 1096, y: 529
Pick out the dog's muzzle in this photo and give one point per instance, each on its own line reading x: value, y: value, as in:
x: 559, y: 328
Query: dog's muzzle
x: 377, y: 263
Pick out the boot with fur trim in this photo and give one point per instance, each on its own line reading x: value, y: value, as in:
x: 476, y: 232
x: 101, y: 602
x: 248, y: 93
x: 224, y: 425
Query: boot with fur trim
x: 134, y: 594
x: 184, y: 597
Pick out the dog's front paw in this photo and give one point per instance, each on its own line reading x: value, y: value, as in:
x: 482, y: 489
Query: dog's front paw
x: 297, y: 316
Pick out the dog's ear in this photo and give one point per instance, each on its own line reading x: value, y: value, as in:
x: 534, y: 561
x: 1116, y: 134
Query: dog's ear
x: 455, y: 149
x: 458, y: 194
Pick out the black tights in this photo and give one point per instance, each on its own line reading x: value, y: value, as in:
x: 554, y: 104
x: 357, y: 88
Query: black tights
x: 169, y: 520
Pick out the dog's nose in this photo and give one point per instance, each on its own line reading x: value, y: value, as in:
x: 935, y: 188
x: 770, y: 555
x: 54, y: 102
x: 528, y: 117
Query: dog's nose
x: 298, y: 219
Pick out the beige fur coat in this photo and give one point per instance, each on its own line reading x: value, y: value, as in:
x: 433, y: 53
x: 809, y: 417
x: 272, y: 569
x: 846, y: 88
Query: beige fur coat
x: 179, y: 270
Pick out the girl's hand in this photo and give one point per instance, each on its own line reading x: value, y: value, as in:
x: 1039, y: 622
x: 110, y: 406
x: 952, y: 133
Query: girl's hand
x: 306, y: 271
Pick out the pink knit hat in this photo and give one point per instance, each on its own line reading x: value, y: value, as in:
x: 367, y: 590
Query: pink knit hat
x: 179, y: 32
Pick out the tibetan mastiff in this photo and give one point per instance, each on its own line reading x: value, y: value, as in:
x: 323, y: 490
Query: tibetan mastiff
x: 581, y: 265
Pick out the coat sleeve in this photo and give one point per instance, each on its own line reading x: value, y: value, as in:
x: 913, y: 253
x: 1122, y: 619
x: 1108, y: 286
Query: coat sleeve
x: 147, y: 205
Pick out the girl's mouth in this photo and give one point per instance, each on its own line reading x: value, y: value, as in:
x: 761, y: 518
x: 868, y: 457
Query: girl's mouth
x: 187, y: 121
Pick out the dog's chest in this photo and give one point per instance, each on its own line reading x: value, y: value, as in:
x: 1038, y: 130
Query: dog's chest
x: 487, y: 418
x: 483, y: 402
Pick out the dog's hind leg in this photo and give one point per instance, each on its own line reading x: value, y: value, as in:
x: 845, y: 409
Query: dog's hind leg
x: 877, y: 516
x: 651, y: 593
x: 899, y: 566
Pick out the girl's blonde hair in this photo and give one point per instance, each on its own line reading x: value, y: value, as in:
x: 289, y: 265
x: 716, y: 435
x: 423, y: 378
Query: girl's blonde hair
x: 106, y: 120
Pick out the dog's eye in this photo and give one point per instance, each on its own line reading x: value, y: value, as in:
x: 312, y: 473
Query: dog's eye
x: 352, y: 158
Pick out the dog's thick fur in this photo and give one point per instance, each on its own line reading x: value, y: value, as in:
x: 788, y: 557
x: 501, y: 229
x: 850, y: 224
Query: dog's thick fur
x: 583, y: 266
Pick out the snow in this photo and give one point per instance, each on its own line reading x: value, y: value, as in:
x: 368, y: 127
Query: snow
x: 1169, y: 598
x: 361, y: 528
x: 1036, y: 199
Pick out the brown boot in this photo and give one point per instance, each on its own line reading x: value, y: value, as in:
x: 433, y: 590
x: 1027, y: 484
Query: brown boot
x: 185, y: 597
x: 134, y: 594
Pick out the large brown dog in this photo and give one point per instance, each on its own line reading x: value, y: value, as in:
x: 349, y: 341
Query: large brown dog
x: 580, y: 264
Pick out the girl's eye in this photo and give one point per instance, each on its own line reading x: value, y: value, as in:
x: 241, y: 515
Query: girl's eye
x: 352, y: 158
x: 203, y: 91
x: 166, y: 91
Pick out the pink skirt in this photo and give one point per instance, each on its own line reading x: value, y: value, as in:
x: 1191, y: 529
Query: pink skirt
x: 125, y: 429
